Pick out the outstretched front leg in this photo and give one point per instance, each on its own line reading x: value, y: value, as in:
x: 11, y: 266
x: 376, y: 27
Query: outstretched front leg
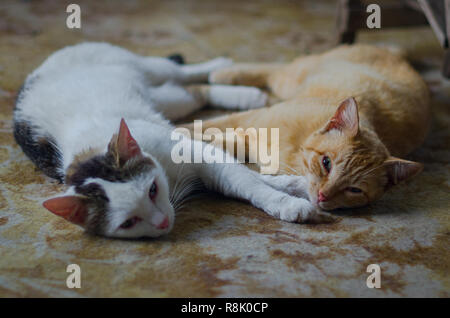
x: 199, y: 73
x: 292, y: 184
x: 237, y: 181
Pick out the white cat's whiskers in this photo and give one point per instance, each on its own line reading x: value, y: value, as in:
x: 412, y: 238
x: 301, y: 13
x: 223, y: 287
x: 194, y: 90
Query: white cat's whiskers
x: 184, y: 187
x: 186, y: 194
x: 176, y: 182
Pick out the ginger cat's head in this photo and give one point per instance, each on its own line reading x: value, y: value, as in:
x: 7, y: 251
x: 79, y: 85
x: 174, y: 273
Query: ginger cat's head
x: 347, y: 166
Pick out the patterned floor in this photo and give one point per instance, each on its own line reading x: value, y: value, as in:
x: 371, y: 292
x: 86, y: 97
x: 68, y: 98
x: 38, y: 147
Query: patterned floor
x: 219, y: 247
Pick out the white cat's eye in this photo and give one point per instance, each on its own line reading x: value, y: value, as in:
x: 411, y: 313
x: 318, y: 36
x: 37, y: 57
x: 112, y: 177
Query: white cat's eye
x: 128, y: 224
x: 153, y: 191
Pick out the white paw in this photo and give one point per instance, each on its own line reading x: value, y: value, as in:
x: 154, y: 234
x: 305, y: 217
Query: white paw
x: 250, y: 98
x: 302, y: 211
x: 237, y: 97
x: 292, y: 184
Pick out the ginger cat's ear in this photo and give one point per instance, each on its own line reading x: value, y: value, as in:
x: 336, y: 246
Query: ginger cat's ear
x: 123, y: 146
x: 70, y: 207
x: 346, y: 118
x: 399, y: 170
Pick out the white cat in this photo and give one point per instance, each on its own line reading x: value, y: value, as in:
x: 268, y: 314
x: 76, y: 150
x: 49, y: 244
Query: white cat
x: 127, y: 185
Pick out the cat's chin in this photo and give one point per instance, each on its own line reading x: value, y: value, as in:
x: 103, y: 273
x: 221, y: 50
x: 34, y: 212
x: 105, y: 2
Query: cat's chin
x: 325, y: 206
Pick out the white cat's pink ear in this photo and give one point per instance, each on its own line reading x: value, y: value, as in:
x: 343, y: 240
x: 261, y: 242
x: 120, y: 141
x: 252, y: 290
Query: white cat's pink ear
x: 399, y: 170
x: 127, y: 147
x: 346, y: 118
x: 70, y: 207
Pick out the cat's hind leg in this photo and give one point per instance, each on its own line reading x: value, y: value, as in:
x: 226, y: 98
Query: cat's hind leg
x: 245, y: 74
x: 229, y: 97
x: 199, y: 73
x: 175, y: 102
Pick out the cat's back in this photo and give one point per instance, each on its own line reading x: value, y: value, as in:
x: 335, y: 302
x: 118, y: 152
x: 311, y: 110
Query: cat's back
x: 81, y: 84
x: 348, y: 69
x: 75, y: 100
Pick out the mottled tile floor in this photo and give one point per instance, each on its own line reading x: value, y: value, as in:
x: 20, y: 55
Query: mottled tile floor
x: 219, y: 247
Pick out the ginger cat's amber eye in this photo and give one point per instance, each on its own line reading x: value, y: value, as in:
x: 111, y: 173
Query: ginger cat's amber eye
x: 354, y: 190
x: 326, y: 163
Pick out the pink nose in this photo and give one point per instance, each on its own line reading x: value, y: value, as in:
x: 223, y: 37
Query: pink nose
x: 164, y: 224
x: 322, y: 197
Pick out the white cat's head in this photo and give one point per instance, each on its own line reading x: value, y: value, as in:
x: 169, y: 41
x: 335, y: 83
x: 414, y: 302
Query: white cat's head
x: 122, y: 193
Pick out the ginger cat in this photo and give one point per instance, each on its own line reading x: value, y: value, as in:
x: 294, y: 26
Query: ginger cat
x: 346, y: 116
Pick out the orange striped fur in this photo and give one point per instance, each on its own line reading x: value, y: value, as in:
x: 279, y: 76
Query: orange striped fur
x: 392, y: 117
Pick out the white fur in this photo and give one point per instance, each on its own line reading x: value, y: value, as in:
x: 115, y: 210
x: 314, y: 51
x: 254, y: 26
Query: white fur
x: 80, y: 93
x: 241, y: 97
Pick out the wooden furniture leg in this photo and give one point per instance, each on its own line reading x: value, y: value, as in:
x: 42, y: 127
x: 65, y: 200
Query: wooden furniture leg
x: 348, y: 16
x: 446, y: 67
